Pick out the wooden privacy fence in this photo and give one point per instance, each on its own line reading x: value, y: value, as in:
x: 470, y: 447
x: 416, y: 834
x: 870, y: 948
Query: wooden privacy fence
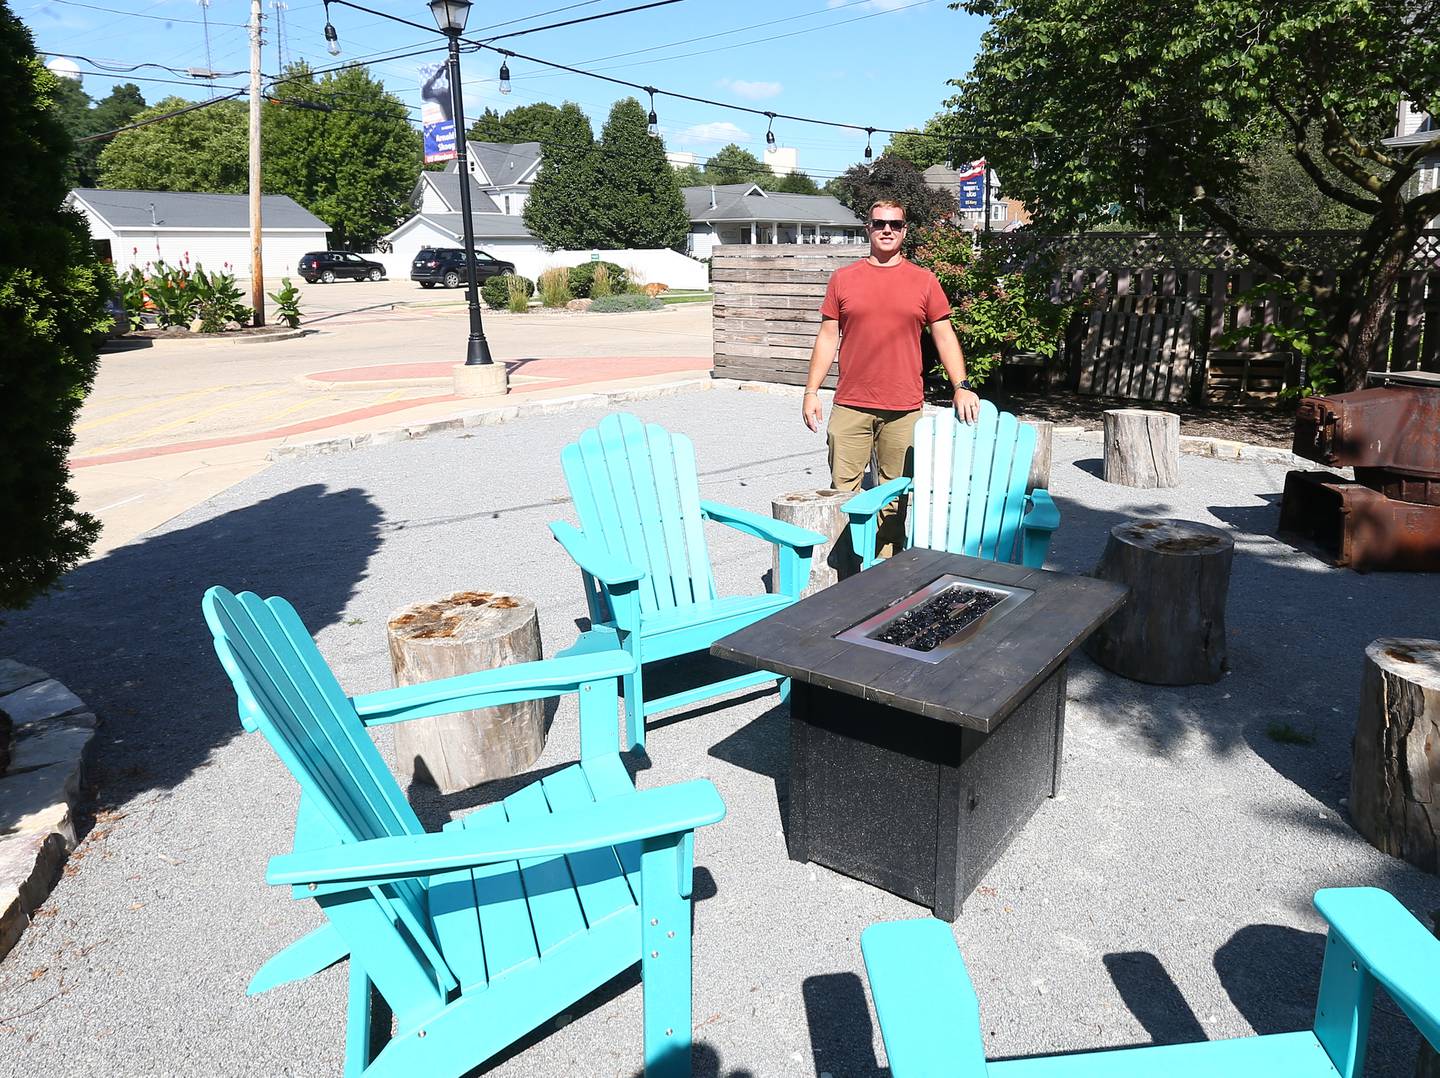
x: 1164, y: 303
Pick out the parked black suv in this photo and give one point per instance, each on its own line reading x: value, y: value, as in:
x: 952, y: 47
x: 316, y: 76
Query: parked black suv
x: 330, y: 266
x: 446, y: 266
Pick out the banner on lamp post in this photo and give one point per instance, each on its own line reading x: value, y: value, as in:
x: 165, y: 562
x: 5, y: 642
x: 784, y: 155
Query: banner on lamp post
x: 437, y: 115
x: 972, y: 186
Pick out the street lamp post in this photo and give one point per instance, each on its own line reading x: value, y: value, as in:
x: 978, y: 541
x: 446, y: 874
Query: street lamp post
x: 450, y: 16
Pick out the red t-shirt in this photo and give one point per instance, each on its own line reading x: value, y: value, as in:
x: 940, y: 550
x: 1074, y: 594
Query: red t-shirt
x: 881, y: 310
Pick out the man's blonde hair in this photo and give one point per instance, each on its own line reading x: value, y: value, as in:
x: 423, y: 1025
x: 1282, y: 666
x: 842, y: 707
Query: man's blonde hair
x: 886, y: 202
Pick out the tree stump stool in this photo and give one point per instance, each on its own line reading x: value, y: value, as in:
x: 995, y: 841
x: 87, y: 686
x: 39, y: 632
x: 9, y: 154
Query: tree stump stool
x: 1142, y: 448
x: 1395, y: 760
x: 821, y: 511
x: 469, y: 631
x: 1040, y: 463
x: 1172, y: 629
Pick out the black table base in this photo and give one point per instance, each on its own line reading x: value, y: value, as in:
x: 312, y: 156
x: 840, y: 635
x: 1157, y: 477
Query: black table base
x: 917, y: 806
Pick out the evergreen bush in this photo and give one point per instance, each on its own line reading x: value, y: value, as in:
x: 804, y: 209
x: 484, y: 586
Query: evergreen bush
x: 496, y: 291
x: 53, y: 296
x: 582, y: 278
x: 627, y: 302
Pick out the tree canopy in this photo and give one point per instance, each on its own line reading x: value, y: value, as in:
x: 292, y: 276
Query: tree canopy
x: 203, y: 150
x: 80, y: 115
x: 525, y: 123
x: 354, y: 165
x: 635, y: 199
x: 893, y: 178
x: 52, y: 297
x: 1167, y: 108
x: 558, y: 211
x: 933, y: 144
x: 731, y: 164
x: 794, y: 183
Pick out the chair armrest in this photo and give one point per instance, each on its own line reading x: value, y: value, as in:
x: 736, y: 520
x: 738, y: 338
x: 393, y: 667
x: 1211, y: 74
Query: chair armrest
x: 1396, y: 948
x: 668, y: 810
x: 762, y: 527
x: 1042, y: 516
x: 929, y: 1015
x: 491, y: 688
x: 593, y: 558
x: 869, y: 502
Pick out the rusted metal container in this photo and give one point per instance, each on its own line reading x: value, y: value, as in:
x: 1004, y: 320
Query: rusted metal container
x: 1395, y: 427
x: 1358, y: 528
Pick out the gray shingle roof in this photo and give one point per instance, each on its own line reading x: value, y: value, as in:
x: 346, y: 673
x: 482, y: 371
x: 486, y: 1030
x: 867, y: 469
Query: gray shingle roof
x: 743, y: 202
x: 447, y: 185
x: 188, y: 209
x: 505, y: 162
x: 492, y: 226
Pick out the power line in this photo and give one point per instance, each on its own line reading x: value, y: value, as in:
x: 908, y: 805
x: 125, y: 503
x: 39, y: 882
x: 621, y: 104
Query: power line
x: 587, y: 18
x: 117, y: 67
x: 138, y: 14
x: 163, y: 116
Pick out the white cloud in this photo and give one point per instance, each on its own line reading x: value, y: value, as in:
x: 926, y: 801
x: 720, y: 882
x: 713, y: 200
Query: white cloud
x: 718, y: 133
x: 752, y: 91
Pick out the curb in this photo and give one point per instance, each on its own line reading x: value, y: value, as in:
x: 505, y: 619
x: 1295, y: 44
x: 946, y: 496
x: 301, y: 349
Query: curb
x: 252, y: 338
x: 38, y: 792
x: 487, y: 417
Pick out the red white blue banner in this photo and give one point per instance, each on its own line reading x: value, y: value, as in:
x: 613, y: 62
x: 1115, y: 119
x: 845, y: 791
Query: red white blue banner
x: 437, y: 116
x: 972, y: 186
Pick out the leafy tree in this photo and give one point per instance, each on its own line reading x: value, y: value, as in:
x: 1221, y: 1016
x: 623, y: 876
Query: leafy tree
x: 796, y: 183
x: 351, y: 162
x: 935, y: 144
x: 559, y: 211
x: 894, y: 178
x: 689, y: 176
x: 731, y: 164
x: 52, y: 299
x: 1277, y: 194
x: 636, y: 199
x: 207, y: 149
x: 526, y: 123
x: 1164, y: 108
x: 116, y: 109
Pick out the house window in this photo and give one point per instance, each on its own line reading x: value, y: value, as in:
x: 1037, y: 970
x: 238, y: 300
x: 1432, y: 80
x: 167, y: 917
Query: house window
x: 507, y: 203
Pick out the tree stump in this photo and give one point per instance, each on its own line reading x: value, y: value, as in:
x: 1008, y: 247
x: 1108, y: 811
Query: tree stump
x: 821, y: 511
x: 469, y: 631
x: 1395, y: 760
x: 1142, y: 448
x: 1040, y: 463
x: 1171, y: 631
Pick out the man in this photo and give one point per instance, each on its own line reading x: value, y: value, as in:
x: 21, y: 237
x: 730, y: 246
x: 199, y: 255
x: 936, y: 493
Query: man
x: 874, y: 311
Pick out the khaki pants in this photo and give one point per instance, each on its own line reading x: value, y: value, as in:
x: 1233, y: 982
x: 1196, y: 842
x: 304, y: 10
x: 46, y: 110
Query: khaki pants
x: 854, y: 436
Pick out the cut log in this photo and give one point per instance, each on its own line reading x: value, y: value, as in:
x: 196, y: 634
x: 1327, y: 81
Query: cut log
x: 1040, y: 463
x: 1142, y: 448
x: 821, y: 511
x: 466, y: 632
x: 1395, y: 760
x: 1171, y: 631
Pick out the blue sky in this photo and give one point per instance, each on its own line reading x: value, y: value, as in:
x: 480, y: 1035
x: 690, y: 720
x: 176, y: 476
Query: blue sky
x: 881, y: 63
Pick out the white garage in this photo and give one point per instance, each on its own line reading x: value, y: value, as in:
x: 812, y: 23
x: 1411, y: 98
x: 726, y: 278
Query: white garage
x: 133, y: 228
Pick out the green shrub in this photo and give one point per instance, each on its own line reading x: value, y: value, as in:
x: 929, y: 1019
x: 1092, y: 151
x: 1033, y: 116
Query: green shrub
x: 600, y: 283
x: 555, y: 287
x: 627, y: 302
x: 519, y: 293
x: 496, y: 291
x: 53, y: 296
x: 582, y: 278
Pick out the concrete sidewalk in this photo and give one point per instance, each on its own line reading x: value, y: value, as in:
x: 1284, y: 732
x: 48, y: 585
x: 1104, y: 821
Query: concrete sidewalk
x: 1165, y: 896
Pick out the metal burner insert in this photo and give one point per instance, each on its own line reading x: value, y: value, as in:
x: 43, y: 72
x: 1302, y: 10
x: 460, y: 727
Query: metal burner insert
x: 932, y: 622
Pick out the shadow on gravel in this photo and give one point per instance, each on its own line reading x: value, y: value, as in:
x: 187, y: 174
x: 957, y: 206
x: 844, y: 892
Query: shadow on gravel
x: 1153, y: 997
x: 842, y: 1039
x: 126, y: 633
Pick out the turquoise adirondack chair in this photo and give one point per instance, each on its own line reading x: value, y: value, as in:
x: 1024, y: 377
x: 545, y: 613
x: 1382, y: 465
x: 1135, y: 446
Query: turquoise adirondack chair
x: 968, y: 493
x: 642, y: 556
x: 476, y: 934
x: 930, y: 1018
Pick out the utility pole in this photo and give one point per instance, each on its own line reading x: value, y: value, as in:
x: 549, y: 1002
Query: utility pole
x: 257, y: 254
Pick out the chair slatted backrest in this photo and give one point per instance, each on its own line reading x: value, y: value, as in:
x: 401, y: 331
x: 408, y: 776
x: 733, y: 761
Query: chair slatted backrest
x: 637, y: 493
x: 288, y: 693
x: 969, y: 492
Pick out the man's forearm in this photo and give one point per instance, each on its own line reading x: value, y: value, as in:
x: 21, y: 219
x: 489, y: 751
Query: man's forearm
x: 821, y: 357
x: 951, y: 357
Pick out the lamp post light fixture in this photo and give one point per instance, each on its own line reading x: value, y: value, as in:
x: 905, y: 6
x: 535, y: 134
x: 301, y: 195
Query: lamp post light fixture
x: 450, y: 16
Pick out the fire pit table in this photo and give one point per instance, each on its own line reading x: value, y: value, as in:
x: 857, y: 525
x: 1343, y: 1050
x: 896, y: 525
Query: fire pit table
x: 927, y: 711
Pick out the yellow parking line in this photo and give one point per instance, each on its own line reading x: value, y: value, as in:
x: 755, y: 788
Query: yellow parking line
x: 191, y: 418
x: 91, y: 424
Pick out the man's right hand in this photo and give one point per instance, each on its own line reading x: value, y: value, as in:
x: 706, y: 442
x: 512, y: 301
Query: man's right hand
x: 811, y: 411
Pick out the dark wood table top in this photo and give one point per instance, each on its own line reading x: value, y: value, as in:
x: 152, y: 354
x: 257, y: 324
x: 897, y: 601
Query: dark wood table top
x: 977, y: 685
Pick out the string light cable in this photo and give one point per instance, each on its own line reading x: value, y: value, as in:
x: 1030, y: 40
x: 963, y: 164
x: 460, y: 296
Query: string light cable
x: 163, y: 116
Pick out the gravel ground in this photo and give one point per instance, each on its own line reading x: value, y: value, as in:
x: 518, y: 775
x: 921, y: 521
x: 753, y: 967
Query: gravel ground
x: 1164, y: 896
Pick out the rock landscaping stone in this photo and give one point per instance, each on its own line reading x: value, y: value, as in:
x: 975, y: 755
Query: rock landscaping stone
x: 578, y: 305
x: 29, y: 866
x: 15, y: 675
x: 43, y: 700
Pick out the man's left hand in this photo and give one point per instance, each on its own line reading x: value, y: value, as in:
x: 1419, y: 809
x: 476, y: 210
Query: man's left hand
x: 967, y: 405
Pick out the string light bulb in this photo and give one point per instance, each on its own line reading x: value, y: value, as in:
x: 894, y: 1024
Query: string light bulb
x: 332, y: 39
x: 869, y: 131
x: 652, y: 126
x: 770, y: 134
x: 504, y: 76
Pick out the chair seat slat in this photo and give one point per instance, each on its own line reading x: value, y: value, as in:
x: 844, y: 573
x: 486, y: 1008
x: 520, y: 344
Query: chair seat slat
x: 457, y: 928
x: 500, y: 903
x: 549, y: 889
x: 599, y: 878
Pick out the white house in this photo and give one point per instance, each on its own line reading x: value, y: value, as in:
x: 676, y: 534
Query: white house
x: 1416, y: 128
x: 504, y: 169
x: 439, y: 223
x: 745, y: 213
x: 135, y: 227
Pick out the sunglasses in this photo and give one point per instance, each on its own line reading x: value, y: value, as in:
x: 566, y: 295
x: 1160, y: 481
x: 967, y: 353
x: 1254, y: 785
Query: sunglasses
x: 880, y: 224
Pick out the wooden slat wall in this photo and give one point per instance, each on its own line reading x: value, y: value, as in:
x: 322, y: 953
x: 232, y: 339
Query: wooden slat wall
x: 767, y: 307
